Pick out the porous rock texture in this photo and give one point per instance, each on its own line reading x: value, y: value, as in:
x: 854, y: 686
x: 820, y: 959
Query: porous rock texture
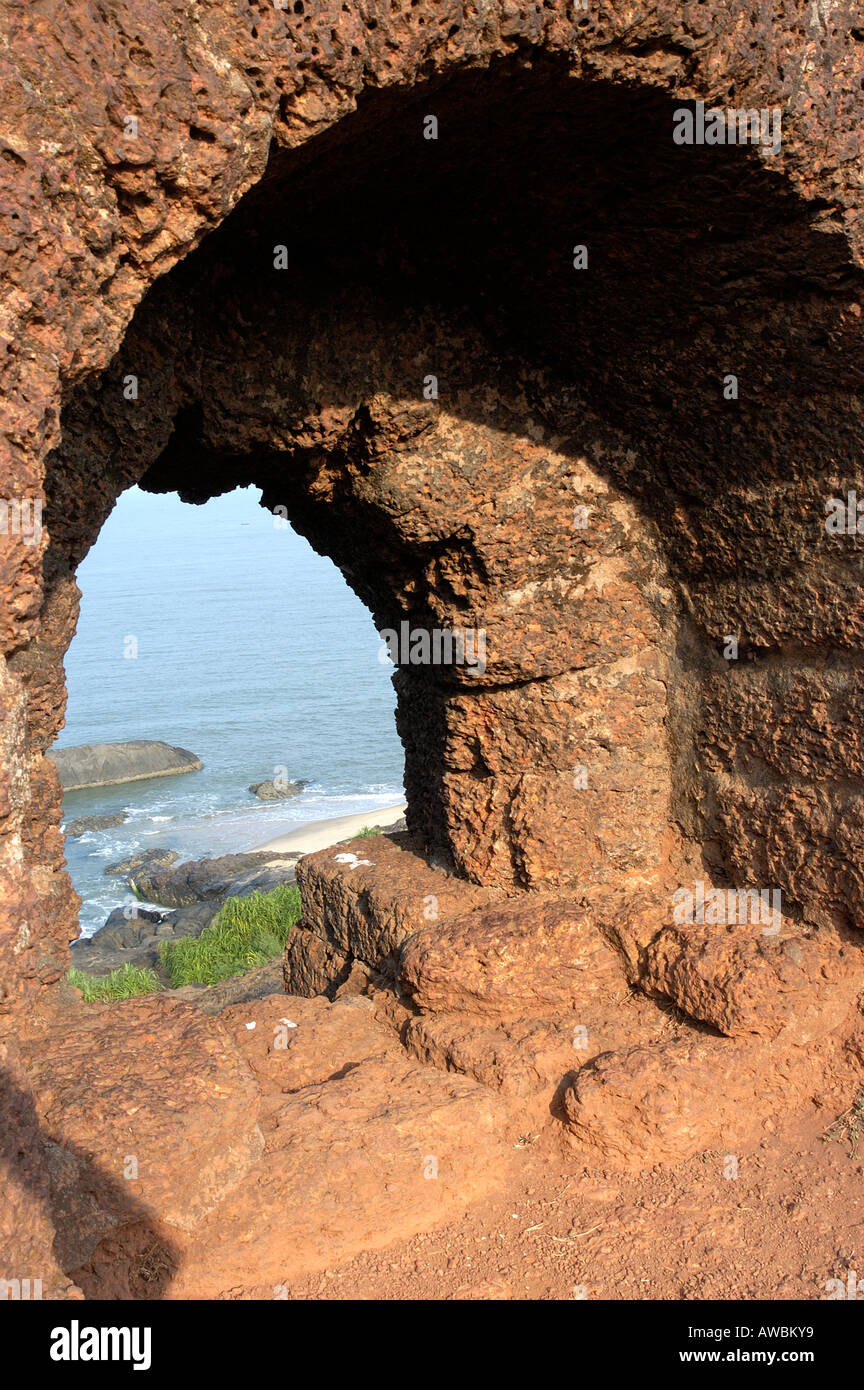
x: 231, y: 257
x: 517, y: 959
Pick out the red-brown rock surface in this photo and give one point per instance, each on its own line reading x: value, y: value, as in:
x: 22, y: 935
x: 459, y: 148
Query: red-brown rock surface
x: 520, y: 959
x: 582, y: 486
x: 141, y: 1110
x: 675, y: 1097
x: 298, y: 1133
x: 365, y: 897
x: 743, y: 980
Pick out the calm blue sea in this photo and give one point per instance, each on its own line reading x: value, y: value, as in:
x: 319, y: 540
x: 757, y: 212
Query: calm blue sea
x: 252, y: 652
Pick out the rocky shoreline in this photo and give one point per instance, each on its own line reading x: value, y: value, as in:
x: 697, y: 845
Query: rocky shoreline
x: 192, y: 893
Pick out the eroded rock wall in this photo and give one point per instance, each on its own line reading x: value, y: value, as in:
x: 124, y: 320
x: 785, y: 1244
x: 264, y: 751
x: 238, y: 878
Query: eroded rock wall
x: 131, y: 132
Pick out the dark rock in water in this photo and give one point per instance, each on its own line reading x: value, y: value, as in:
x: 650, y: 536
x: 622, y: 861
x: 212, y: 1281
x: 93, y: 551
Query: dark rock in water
x: 234, y: 875
x: 264, y: 880
x: 85, y: 823
x: 110, y: 764
x: 146, y: 860
x: 124, y: 927
x: 272, y: 791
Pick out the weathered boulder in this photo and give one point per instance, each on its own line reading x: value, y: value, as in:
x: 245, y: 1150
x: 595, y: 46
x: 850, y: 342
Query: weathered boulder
x: 126, y: 926
x: 313, y: 967
x: 145, y: 860
x: 534, y: 1057
x: 273, y: 791
x: 364, y: 1146
x: 667, y: 1101
x: 191, y: 920
x: 255, y: 984
x: 234, y: 875
x: 103, y: 958
x: 133, y: 936
x: 520, y: 959
x: 82, y: 824
x: 365, y: 897
x: 133, y: 1106
x: 110, y: 764
x: 743, y: 980
x: 128, y: 937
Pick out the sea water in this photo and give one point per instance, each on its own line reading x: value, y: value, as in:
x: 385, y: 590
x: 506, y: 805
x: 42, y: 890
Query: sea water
x: 218, y: 629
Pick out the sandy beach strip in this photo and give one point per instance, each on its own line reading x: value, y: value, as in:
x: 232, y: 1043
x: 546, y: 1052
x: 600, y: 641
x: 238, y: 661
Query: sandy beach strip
x: 320, y: 834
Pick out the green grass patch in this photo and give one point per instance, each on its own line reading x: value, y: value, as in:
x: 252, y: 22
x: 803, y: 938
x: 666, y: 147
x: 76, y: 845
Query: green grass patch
x: 367, y: 831
x: 125, y: 983
x: 246, y: 932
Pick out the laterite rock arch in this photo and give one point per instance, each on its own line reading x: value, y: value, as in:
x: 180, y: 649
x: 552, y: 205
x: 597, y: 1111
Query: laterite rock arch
x: 581, y: 489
